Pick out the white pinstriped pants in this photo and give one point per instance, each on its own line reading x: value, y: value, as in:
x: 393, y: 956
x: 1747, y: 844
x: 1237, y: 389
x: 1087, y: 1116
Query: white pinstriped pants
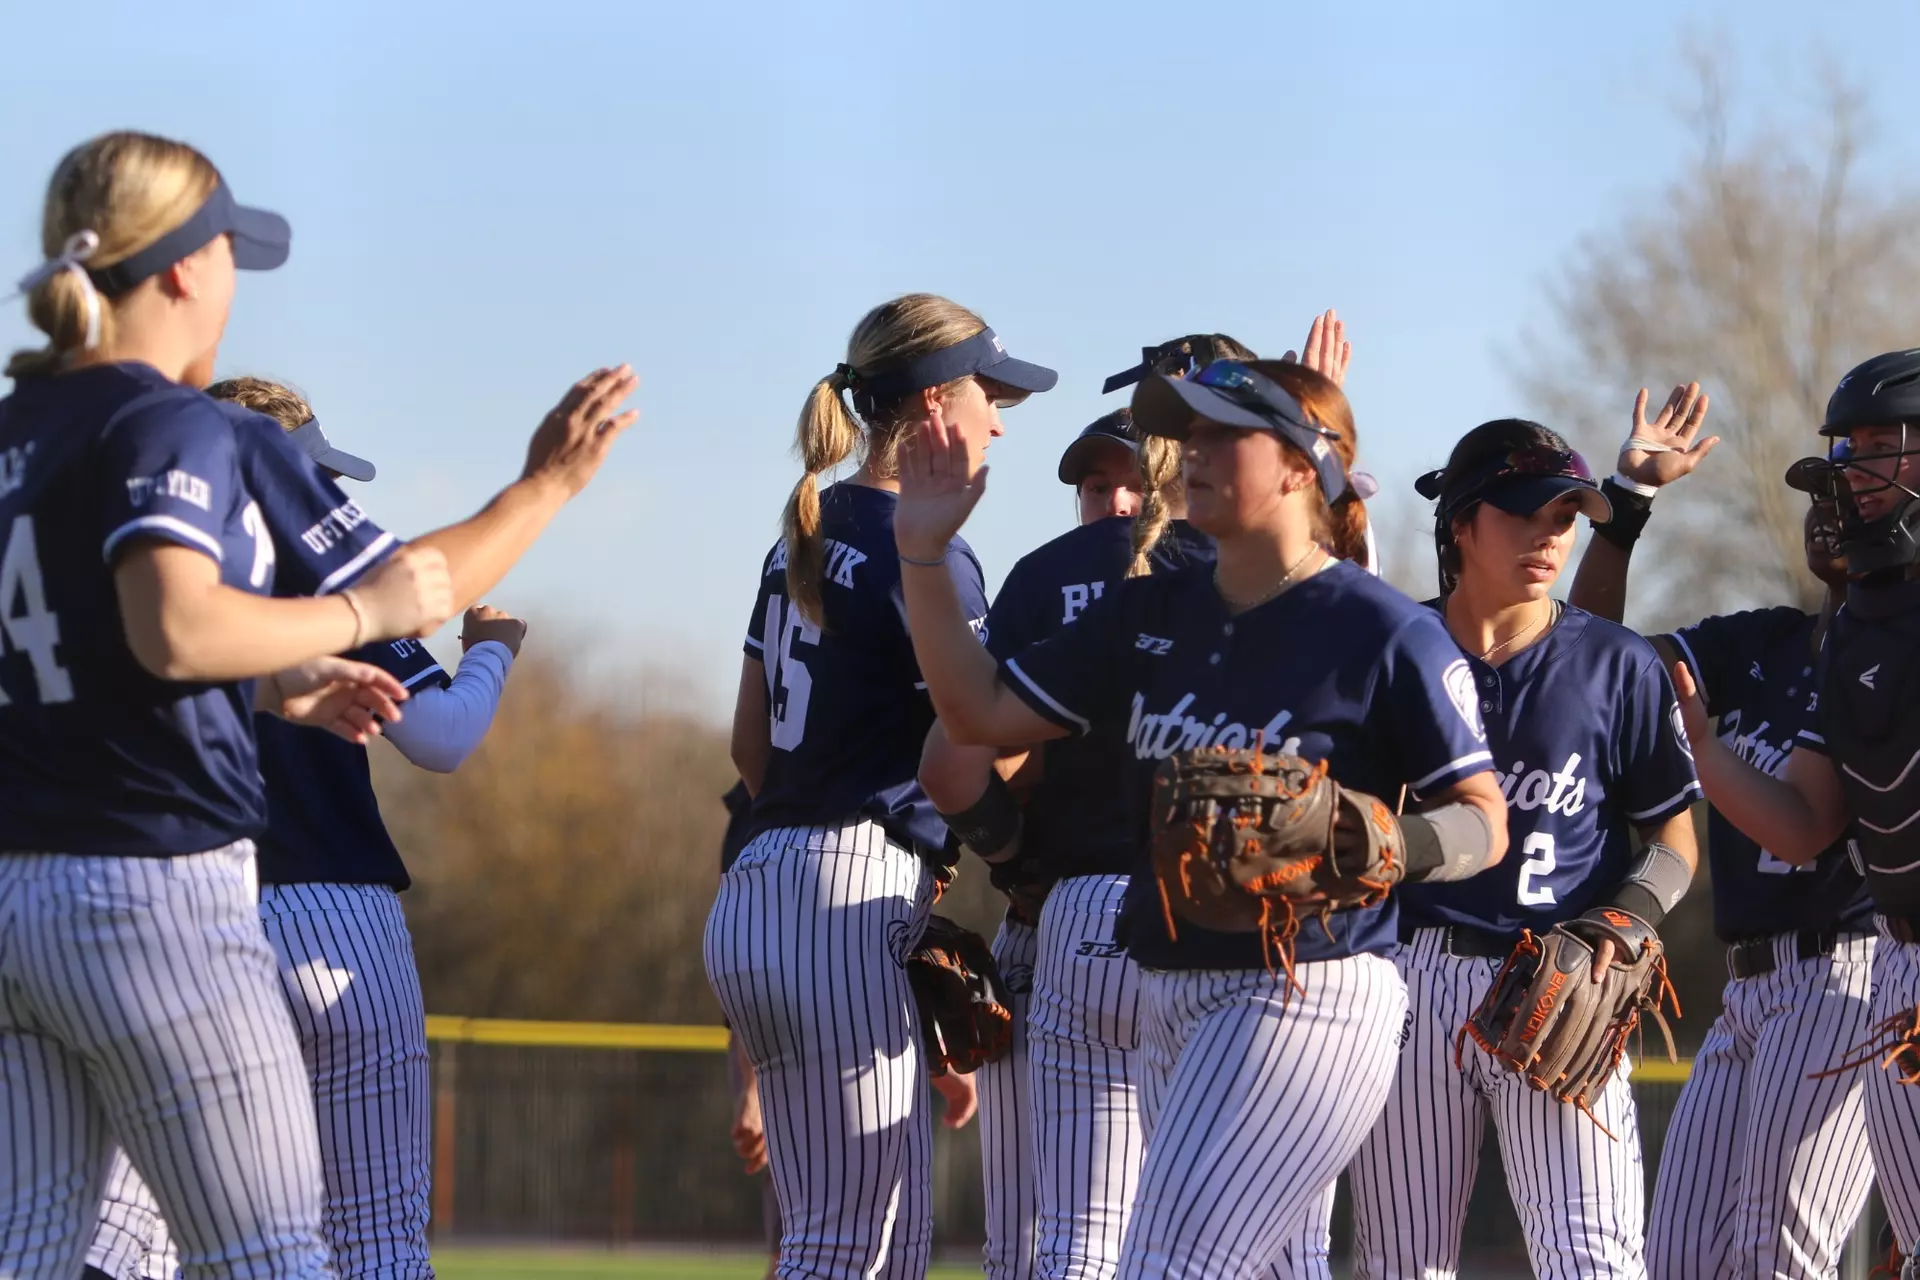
x: 138, y: 1002
x: 1084, y: 1040
x: 1764, y: 1170
x: 804, y: 949
x: 1893, y: 1109
x: 1007, y: 1122
x: 1580, y: 1195
x: 347, y: 973
x: 1252, y: 1105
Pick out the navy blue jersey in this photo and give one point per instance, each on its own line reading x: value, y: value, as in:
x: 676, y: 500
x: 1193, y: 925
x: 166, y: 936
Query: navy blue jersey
x: 739, y: 814
x: 847, y: 707
x: 1587, y: 742
x: 323, y: 820
x: 1755, y: 671
x: 1341, y: 667
x: 1072, y: 825
x: 97, y: 756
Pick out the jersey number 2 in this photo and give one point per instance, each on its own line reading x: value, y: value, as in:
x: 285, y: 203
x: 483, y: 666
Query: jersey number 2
x: 789, y: 683
x: 1539, y: 854
x: 32, y: 630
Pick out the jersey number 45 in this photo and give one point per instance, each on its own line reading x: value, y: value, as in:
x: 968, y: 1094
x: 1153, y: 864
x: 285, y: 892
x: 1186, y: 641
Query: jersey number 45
x: 789, y: 684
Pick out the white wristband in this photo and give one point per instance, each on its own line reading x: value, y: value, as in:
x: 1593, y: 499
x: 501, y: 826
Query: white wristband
x: 1634, y: 486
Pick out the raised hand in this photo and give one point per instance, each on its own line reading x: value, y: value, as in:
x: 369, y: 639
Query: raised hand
x: 572, y: 440
x: 941, y: 481
x: 346, y: 698
x: 484, y: 622
x: 1327, y: 350
x: 1665, y: 449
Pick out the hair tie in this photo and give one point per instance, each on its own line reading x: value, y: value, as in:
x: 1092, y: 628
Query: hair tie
x: 1430, y: 484
x: 80, y: 246
x: 848, y: 376
x: 1364, y: 485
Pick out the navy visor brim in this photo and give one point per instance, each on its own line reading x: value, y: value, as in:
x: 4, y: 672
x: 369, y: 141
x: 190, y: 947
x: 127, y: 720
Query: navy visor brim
x: 1524, y: 495
x: 1079, y: 455
x: 261, y: 240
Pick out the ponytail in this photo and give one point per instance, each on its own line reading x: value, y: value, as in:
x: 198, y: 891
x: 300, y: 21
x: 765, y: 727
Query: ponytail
x: 59, y: 307
x: 115, y: 195
x: 825, y: 437
x: 1347, y: 529
x: 1159, y: 473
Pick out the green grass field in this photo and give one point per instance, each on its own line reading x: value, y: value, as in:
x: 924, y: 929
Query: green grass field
x: 611, y: 1264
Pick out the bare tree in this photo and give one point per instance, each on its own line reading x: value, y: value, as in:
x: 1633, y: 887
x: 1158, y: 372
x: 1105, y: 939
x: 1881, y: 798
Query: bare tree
x: 1769, y: 267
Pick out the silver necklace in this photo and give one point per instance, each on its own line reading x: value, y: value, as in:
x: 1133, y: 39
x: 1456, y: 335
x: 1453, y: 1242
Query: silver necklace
x: 1285, y: 579
x: 1553, y: 612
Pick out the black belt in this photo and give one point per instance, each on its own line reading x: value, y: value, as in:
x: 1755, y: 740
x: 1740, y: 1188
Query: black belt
x: 1754, y: 957
x: 1464, y: 942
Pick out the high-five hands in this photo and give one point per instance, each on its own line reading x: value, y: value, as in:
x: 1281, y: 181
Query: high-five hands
x: 1661, y: 451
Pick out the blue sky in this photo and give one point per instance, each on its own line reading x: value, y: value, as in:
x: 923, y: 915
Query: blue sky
x: 490, y: 199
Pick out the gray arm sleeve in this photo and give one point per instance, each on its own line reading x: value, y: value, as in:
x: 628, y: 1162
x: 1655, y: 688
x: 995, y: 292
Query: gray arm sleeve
x: 1452, y: 842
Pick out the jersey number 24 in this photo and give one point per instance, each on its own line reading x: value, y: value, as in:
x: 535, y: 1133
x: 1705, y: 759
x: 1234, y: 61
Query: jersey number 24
x: 789, y: 684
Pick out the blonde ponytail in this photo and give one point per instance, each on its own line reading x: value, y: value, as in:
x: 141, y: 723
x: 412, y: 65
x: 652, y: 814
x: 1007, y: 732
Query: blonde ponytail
x: 910, y: 326
x: 824, y: 438
x: 1159, y: 474
x: 129, y: 189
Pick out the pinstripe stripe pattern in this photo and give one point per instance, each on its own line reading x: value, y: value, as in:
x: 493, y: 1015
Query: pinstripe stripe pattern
x: 804, y: 950
x: 1579, y: 1194
x: 1308, y: 1255
x: 1084, y: 1039
x: 1893, y: 1109
x: 348, y: 974
x: 137, y: 998
x: 130, y: 1242
x: 1252, y: 1106
x: 1764, y: 1170
x: 1006, y: 1120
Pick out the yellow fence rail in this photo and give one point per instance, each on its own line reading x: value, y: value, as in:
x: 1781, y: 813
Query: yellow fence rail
x: 672, y: 1038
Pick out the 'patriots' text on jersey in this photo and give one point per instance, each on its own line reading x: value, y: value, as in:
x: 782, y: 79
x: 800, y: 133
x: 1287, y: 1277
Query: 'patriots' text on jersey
x: 1347, y: 668
x: 1587, y: 744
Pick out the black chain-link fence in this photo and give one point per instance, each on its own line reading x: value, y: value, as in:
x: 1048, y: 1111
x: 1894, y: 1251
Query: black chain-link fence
x: 619, y: 1146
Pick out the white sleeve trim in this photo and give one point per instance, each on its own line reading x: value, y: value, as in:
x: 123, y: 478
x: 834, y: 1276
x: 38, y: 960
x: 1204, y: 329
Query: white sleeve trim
x: 352, y: 568
x: 1451, y: 766
x: 1693, y: 665
x: 439, y: 727
x: 756, y: 644
x: 1686, y: 795
x: 1013, y: 667
x: 435, y: 670
x: 172, y: 524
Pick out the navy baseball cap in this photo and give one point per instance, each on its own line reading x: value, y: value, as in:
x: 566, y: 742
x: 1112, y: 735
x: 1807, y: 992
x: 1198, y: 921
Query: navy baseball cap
x: 1111, y: 428
x: 1235, y: 394
x: 983, y: 354
x: 261, y: 241
x: 314, y: 443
